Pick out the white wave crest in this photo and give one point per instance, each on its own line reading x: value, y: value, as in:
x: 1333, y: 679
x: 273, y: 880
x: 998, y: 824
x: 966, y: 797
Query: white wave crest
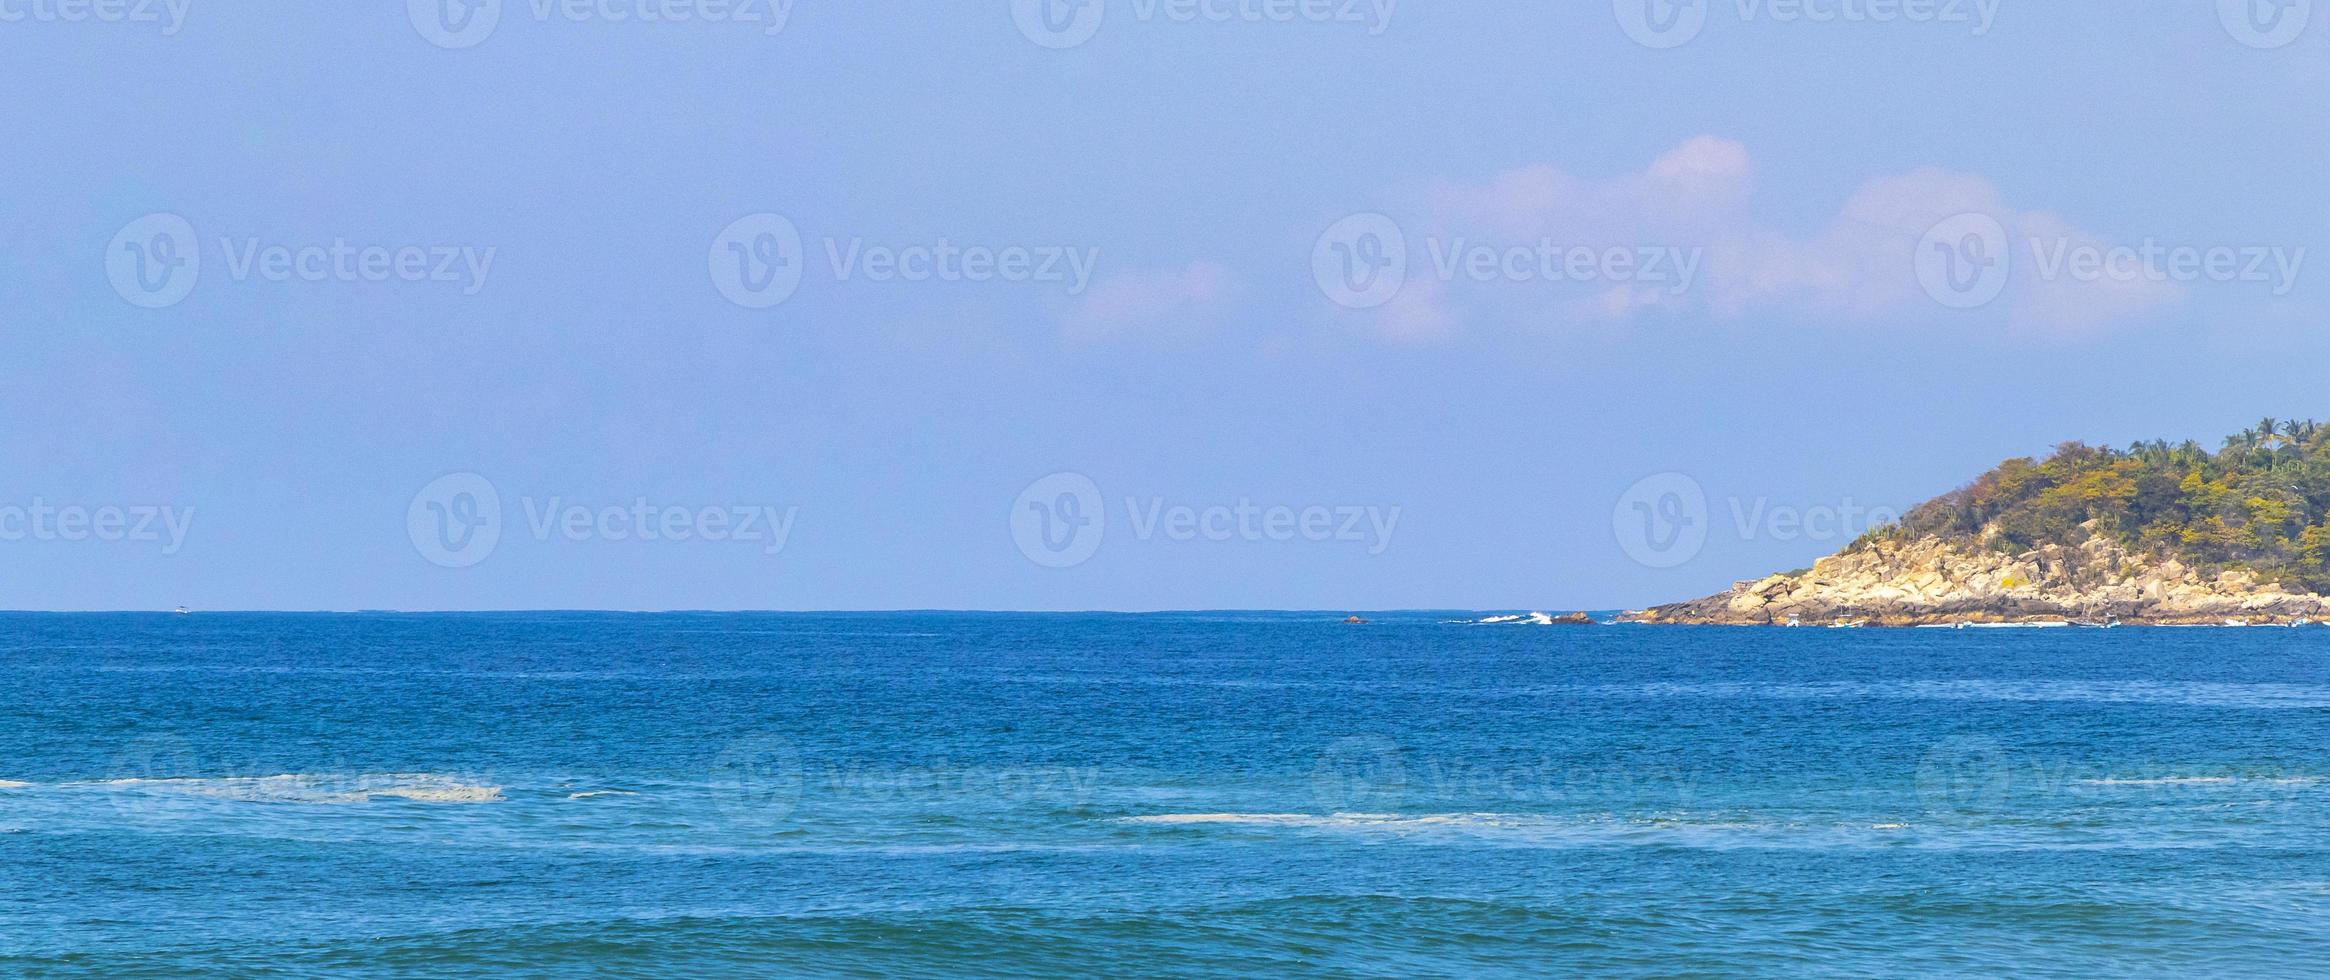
x: 1385, y: 820
x: 2206, y: 781
x: 313, y: 789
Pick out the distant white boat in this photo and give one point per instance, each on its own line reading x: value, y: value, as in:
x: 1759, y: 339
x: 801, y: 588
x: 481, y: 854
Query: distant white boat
x: 1795, y: 621
x: 1846, y: 625
x: 182, y: 610
x: 2236, y: 622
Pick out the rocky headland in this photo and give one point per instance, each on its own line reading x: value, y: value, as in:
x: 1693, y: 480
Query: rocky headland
x: 1929, y: 581
x: 2152, y: 535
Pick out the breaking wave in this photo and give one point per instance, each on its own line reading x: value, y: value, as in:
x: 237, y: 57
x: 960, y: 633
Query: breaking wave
x: 312, y: 789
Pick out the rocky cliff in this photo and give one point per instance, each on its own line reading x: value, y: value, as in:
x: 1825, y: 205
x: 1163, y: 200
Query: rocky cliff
x: 1909, y: 581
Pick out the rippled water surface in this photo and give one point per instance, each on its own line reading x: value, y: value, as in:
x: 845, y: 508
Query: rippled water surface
x: 922, y: 793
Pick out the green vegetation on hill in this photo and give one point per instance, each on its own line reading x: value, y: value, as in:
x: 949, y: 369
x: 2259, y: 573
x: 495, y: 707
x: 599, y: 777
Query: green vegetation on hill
x: 2260, y: 503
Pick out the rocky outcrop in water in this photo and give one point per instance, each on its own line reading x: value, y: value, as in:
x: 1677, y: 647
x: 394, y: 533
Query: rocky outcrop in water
x: 1931, y: 580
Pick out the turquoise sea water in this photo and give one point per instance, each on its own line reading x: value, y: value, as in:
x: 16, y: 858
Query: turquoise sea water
x: 1172, y: 794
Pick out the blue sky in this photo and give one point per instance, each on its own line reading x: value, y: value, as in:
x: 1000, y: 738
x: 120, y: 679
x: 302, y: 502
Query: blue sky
x: 1065, y: 331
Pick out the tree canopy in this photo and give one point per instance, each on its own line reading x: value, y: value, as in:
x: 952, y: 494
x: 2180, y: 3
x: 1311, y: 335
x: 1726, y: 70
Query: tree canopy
x: 2260, y: 502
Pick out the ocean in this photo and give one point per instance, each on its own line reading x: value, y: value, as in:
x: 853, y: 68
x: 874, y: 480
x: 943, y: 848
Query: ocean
x: 1170, y: 794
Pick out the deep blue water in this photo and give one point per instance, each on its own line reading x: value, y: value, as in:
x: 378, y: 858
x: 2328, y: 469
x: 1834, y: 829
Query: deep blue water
x: 1173, y: 794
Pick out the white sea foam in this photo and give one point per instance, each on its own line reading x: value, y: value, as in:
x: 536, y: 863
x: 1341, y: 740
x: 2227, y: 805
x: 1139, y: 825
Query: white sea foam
x: 2202, y: 694
x: 588, y: 794
x: 313, y: 789
x: 2204, y: 781
x: 1706, y: 831
x: 1388, y: 821
x: 12, y: 784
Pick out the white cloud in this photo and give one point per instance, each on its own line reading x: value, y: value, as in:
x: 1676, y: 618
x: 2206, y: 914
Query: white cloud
x: 1170, y: 301
x: 1858, y: 266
